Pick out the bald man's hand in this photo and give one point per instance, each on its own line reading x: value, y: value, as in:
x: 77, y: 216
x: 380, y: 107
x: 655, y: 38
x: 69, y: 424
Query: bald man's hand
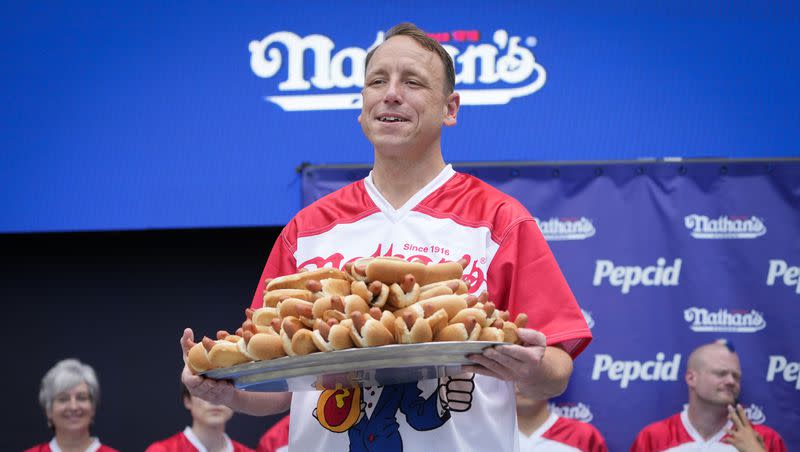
x: 741, y: 434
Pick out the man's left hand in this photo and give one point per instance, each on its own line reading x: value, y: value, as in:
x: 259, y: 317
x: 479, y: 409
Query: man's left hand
x: 517, y: 363
x: 741, y: 435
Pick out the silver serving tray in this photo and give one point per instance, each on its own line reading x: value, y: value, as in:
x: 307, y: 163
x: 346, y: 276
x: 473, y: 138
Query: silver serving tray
x: 389, y: 364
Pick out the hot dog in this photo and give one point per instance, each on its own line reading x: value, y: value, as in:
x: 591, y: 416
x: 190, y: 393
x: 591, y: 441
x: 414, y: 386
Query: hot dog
x: 299, y: 280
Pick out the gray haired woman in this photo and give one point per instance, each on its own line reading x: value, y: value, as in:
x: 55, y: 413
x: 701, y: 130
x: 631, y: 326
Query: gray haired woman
x: 69, y: 396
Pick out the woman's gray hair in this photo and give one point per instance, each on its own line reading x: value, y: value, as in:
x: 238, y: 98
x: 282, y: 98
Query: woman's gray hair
x: 65, y: 375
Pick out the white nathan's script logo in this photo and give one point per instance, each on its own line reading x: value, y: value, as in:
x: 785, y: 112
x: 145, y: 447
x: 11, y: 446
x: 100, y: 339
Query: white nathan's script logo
x: 627, y: 276
x: 704, y: 321
x: 789, y: 371
x: 566, y: 228
x: 789, y: 274
x: 724, y: 227
x: 487, y: 73
x: 627, y: 371
x: 580, y: 411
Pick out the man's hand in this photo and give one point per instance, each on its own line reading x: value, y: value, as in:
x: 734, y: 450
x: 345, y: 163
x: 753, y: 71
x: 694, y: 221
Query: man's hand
x: 741, y: 434
x: 526, y: 365
x: 512, y: 362
x: 215, y: 391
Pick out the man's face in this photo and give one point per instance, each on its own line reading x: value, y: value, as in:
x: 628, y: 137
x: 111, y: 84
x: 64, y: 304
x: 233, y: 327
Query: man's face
x: 404, y: 104
x: 717, y: 378
x: 207, y: 413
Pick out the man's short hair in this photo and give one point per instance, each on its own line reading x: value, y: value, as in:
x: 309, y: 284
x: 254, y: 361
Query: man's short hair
x: 428, y: 43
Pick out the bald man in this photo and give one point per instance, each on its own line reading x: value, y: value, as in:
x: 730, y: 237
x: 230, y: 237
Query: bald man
x: 714, y: 420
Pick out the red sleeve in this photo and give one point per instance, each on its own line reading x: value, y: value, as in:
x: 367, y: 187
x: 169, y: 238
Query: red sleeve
x: 239, y: 447
x: 524, y: 277
x: 277, y: 436
x: 772, y: 440
x: 156, y: 447
x: 642, y: 443
x: 281, y: 262
x: 39, y: 448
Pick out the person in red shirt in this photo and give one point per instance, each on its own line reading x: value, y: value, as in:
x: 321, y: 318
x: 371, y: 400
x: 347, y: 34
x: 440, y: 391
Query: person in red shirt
x: 713, y: 420
x: 542, y: 430
x: 207, y: 433
x: 276, y: 439
x: 69, y: 395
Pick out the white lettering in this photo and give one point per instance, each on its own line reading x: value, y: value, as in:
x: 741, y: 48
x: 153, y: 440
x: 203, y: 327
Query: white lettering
x: 627, y: 277
x: 790, y: 274
x: 790, y: 371
x: 628, y: 371
x: 724, y: 227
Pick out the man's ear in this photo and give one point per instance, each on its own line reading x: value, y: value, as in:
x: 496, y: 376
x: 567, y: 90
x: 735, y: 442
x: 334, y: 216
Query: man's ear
x: 451, y: 109
x: 691, y: 376
x: 187, y: 402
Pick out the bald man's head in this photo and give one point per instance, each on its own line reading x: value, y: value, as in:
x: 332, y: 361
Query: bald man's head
x: 713, y: 374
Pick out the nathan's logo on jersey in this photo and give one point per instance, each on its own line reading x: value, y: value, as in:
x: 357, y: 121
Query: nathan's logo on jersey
x: 788, y: 370
x: 474, y: 272
x: 627, y: 371
x: 722, y: 320
x: 491, y: 69
x: 578, y: 411
x: 790, y: 275
x: 626, y: 277
x: 755, y: 414
x: 724, y: 227
x: 566, y: 228
x: 588, y: 317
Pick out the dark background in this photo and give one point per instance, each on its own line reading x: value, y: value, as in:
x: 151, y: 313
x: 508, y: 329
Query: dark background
x: 119, y: 301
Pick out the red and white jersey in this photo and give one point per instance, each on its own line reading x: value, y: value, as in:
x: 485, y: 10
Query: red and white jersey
x: 276, y: 439
x: 52, y: 446
x: 561, y: 434
x: 677, y: 434
x: 455, y: 216
x: 187, y: 441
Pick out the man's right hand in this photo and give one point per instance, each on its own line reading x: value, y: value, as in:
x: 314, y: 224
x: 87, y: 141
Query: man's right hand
x: 220, y: 392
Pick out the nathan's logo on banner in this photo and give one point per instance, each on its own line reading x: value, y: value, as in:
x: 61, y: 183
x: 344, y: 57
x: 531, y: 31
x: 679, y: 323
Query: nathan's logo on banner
x: 588, y: 317
x: 755, y: 414
x: 789, y: 275
x: 735, y: 321
x: 490, y: 69
x: 627, y: 371
x: 789, y: 371
x: 566, y: 228
x: 626, y: 277
x: 725, y: 227
x: 577, y: 411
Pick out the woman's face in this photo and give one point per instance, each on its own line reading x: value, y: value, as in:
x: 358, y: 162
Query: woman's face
x: 72, y: 410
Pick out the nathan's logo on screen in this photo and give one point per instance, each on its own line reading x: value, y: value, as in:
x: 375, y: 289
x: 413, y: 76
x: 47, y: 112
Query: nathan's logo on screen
x: 627, y: 371
x: 722, y: 320
x: 627, y: 276
x: 725, y: 227
x: 789, y: 275
x: 578, y: 411
x: 755, y: 414
x: 588, y: 317
x: 566, y: 228
x: 491, y: 69
x: 781, y: 367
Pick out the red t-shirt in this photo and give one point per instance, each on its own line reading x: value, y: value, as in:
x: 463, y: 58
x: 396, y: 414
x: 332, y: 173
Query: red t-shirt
x: 276, y: 439
x: 186, y: 441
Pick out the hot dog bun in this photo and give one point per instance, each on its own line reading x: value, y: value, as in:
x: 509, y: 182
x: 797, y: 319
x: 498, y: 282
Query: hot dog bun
x: 272, y: 297
x: 299, y: 280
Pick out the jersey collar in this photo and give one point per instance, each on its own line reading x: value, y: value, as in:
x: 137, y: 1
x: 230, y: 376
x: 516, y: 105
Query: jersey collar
x: 397, y: 214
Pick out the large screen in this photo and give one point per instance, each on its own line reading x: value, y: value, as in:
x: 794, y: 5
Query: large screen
x: 136, y: 115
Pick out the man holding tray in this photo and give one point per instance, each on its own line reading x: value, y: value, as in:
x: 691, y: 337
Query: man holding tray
x: 413, y: 201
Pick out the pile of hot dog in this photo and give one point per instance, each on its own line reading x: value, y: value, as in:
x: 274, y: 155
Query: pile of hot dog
x: 373, y: 302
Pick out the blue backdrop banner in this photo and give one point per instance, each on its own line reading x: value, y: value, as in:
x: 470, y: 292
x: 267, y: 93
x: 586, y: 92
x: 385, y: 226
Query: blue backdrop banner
x: 663, y: 257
